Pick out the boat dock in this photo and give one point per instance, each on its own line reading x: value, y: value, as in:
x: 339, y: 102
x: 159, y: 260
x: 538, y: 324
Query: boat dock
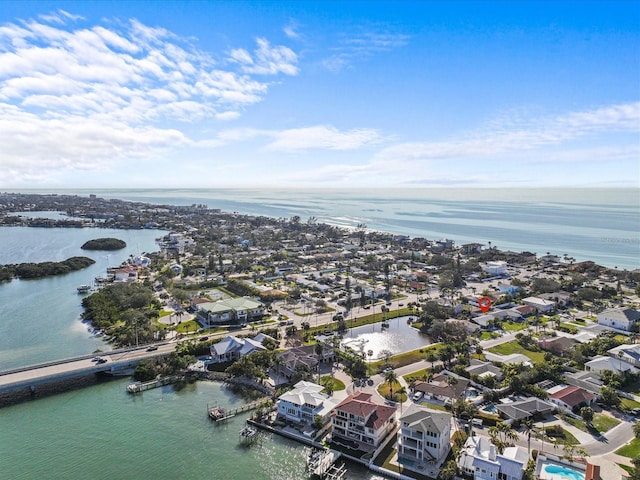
x: 218, y: 413
x: 320, y: 463
x: 139, y: 387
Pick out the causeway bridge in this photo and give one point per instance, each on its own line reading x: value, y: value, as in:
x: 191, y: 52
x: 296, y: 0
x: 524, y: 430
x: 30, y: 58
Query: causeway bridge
x: 118, y: 362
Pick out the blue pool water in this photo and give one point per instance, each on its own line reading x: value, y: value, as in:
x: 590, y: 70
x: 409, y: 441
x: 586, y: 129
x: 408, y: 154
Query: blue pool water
x: 489, y: 408
x: 567, y: 472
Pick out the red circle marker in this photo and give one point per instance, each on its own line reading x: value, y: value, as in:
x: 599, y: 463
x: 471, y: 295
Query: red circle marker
x: 484, y: 303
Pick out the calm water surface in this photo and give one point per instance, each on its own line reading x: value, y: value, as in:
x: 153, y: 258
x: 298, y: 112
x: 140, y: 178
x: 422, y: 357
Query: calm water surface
x: 102, y: 432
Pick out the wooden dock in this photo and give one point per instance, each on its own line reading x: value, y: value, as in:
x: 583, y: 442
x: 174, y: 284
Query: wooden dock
x: 218, y: 413
x: 139, y: 387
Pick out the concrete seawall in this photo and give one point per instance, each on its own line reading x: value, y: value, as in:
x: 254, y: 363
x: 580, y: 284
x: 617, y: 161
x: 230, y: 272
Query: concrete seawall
x: 53, y: 387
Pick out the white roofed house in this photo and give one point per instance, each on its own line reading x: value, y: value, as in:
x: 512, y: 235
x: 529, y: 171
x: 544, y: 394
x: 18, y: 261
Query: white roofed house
x: 424, y: 435
x: 603, y: 363
x: 540, y: 304
x: 629, y: 353
x: 619, y: 318
x: 304, y: 403
x: 480, y: 459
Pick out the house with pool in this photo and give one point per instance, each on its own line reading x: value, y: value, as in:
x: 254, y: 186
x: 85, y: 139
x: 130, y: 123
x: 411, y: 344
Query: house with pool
x: 552, y: 467
x: 424, y: 435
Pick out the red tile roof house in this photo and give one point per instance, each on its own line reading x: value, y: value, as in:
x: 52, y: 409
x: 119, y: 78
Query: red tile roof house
x: 360, y: 424
x: 570, y: 397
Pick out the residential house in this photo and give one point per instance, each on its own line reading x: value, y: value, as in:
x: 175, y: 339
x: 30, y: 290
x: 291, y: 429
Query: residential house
x: 302, y: 358
x: 445, y: 387
x: 126, y: 274
x: 232, y: 348
x: 234, y: 310
x: 424, y: 435
x: 557, y: 345
x: 498, y: 267
x: 304, y: 402
x: 525, y: 408
x: 479, y: 459
x: 603, y: 363
x: 589, y: 381
x: 358, y: 422
x: 540, y: 304
x: 628, y: 353
x: 619, y: 318
x: 570, y: 397
x: 484, y: 369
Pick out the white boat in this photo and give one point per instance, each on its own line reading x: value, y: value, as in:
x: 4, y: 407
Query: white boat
x: 84, y: 288
x: 248, y: 435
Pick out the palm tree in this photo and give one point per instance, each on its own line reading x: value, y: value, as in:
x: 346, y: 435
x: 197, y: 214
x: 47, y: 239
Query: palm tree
x: 401, y: 391
x: 391, y: 378
x: 528, y: 428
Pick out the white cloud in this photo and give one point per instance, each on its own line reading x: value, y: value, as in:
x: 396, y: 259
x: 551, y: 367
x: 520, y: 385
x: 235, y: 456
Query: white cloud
x: 319, y: 137
x: 515, y: 137
x: 78, y: 96
x: 266, y: 60
x: 358, y: 46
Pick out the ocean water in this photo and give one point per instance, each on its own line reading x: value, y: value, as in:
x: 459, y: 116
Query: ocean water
x: 602, y: 225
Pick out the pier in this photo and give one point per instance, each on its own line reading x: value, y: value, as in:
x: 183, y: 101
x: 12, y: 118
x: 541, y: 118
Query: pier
x: 218, y: 413
x: 139, y: 387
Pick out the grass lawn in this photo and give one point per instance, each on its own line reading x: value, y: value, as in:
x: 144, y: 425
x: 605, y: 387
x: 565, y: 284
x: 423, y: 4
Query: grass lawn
x: 190, y: 326
x: 164, y: 313
x: 405, y: 358
x: 335, y: 382
x: 385, y: 390
x: 631, y: 449
x: 604, y: 423
x: 514, y: 347
x: 626, y: 468
x: 566, y: 437
x: 628, y: 404
x: 513, y: 326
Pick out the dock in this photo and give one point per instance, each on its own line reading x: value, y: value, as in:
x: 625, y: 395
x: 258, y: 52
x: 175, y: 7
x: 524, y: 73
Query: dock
x: 320, y: 463
x: 139, y: 387
x: 218, y: 413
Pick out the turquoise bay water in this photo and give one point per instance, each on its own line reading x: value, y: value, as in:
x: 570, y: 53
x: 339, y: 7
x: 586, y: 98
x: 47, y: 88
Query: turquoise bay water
x: 102, y: 432
x: 40, y: 319
x: 602, y: 225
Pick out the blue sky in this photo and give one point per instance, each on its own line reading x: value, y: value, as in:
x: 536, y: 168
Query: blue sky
x: 319, y: 94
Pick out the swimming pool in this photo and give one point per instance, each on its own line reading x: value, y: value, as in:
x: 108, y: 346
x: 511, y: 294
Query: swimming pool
x: 562, y: 471
x: 491, y: 408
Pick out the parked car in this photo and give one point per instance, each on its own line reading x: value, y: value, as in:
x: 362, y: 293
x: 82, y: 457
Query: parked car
x: 416, y: 396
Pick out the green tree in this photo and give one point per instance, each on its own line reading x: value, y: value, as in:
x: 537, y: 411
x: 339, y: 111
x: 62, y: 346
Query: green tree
x: 587, y: 414
x: 390, y: 378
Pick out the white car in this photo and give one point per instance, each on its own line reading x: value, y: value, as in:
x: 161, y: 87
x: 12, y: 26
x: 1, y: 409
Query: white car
x: 416, y: 396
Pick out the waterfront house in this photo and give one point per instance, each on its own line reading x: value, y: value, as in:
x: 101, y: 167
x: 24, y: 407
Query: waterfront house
x: 232, y: 348
x: 480, y: 460
x: 360, y: 423
x: 304, y: 402
x: 424, y: 435
x: 126, y: 274
x: 230, y: 311
x: 619, y: 318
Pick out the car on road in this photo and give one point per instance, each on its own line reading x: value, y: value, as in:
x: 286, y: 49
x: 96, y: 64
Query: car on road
x: 401, y: 304
x: 387, y: 370
x: 102, y: 360
x: 152, y: 348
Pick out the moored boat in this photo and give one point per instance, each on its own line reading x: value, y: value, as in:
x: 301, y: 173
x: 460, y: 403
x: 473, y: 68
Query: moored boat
x: 248, y: 435
x: 84, y: 288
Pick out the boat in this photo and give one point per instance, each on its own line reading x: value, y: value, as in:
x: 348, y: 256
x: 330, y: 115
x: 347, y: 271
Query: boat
x: 248, y: 435
x: 84, y: 288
